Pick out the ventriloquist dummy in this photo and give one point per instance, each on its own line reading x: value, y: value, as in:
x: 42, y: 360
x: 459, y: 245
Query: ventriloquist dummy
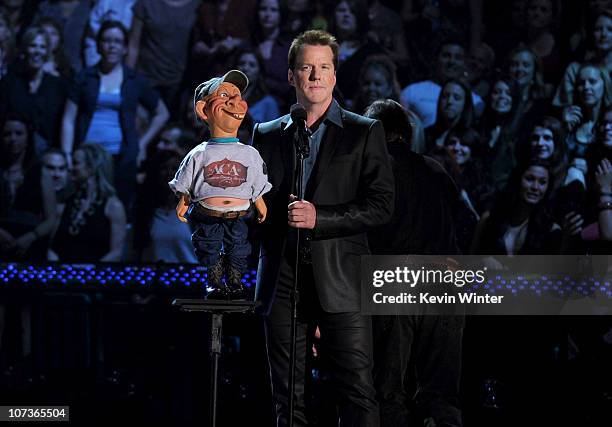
x: 217, y: 182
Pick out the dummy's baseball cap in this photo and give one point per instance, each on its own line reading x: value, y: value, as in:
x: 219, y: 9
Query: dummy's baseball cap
x: 236, y: 77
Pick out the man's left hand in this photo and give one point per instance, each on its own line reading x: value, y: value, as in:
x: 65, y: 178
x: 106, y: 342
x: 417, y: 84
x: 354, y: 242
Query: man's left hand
x: 301, y: 214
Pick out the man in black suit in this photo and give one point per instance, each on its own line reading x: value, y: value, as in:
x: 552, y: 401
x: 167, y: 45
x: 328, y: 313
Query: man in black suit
x: 349, y: 189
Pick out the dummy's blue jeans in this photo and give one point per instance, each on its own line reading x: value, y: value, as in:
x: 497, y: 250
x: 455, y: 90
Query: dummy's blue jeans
x: 214, y: 234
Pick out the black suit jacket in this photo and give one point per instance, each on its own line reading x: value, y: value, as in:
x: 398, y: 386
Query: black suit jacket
x: 352, y: 188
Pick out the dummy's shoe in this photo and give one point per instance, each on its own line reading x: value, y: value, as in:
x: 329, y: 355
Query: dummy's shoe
x: 237, y: 290
x: 218, y: 289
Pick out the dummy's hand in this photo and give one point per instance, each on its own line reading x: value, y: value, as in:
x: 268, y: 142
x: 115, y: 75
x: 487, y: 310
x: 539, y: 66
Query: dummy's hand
x: 301, y: 214
x: 181, y: 210
x: 261, y: 216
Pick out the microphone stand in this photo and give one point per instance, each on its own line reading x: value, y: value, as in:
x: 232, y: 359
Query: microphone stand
x: 302, y: 153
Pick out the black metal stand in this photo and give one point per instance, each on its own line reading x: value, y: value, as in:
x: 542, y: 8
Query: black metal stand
x: 302, y: 152
x: 217, y: 309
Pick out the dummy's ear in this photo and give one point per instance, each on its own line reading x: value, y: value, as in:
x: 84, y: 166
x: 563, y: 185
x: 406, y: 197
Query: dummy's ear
x: 200, y: 108
x: 290, y: 77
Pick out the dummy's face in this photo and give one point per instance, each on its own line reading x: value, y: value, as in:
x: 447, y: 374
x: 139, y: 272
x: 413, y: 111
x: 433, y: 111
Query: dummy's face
x: 590, y: 86
x: 534, y: 183
x: 452, y: 101
x: 542, y: 143
x: 14, y: 137
x: 458, y: 152
x: 376, y: 85
x: 54, y: 168
x: 314, y: 76
x: 223, y: 110
x: 501, y: 100
x: 522, y: 68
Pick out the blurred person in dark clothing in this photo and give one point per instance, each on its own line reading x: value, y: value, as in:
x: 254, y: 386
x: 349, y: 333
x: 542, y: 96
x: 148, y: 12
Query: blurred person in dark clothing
x: 58, y: 63
x: 158, y: 235
x: 378, y: 80
x: 349, y: 21
x: 263, y: 106
x: 272, y: 43
x: 7, y: 43
x: 102, y: 106
x: 27, y: 200
x: 417, y: 359
x: 72, y: 16
x: 159, y: 43
x: 454, y: 111
x: 31, y: 92
x: 422, y: 97
x: 93, y: 225
x: 221, y: 27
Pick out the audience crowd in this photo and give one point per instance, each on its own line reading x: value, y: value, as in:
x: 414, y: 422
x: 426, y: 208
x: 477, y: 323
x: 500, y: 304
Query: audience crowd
x: 484, y: 96
x: 512, y: 98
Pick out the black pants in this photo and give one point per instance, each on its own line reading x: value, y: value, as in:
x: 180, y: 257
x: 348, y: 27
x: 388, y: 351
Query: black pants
x: 347, y: 338
x: 418, y: 357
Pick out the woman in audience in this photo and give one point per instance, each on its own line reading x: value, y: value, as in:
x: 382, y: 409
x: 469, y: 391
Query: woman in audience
x: 600, y: 55
x: 158, y: 236
x: 597, y: 231
x: 93, y: 225
x: 377, y: 81
x: 547, y: 143
x: 543, y: 18
x: 519, y: 221
x: 16, y: 159
x: 33, y: 216
x: 102, y: 108
x: 72, y: 16
x: 455, y: 110
x: 593, y: 96
x: 525, y: 69
x: 463, y: 146
x: 273, y: 46
x: 262, y: 106
x: 7, y: 43
x: 349, y: 22
x: 57, y: 64
x: 499, y: 130
x: 33, y: 93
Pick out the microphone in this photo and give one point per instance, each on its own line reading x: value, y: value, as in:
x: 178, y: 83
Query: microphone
x: 298, y: 116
